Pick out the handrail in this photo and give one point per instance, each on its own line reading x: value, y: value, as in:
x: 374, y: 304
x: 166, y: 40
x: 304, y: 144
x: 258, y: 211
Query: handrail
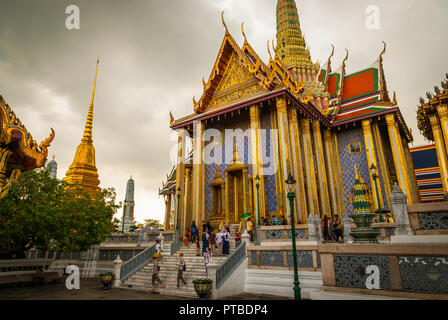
x: 230, y: 264
x: 137, y: 262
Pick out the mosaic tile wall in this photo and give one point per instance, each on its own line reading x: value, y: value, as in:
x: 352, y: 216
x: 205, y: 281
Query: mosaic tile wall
x: 244, y: 151
x: 267, y: 150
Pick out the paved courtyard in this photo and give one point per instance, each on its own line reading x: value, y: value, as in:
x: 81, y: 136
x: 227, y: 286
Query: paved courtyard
x: 90, y: 289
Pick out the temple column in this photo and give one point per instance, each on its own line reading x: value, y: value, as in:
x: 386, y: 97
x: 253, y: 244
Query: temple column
x: 338, y: 175
x: 411, y: 170
x: 442, y: 110
x: 332, y: 172
x: 301, y: 209
x: 166, y: 223
x: 441, y: 151
x: 383, y: 168
x: 235, y: 199
x: 399, y: 157
x: 321, y: 171
x: 180, y: 179
x: 371, y: 159
x: 311, y: 182
x: 185, y: 217
x: 284, y: 148
x: 198, y: 173
x: 245, y: 192
x: 257, y: 161
x: 226, y: 197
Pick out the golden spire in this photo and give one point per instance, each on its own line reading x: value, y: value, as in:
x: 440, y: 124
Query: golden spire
x: 89, y: 123
x: 236, y: 156
x: 83, y: 172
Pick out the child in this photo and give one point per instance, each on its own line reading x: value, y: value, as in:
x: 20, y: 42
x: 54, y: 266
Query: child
x: 198, y: 247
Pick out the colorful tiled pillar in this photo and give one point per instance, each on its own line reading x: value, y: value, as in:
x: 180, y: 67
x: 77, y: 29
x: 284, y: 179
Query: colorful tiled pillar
x: 310, y: 172
x: 321, y: 170
x: 301, y: 207
x: 284, y: 147
x: 257, y: 162
x: 399, y: 157
x: 441, y: 151
x: 198, y: 172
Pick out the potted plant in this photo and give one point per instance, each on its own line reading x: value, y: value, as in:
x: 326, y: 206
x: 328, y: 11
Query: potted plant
x: 106, y: 280
x: 202, y: 287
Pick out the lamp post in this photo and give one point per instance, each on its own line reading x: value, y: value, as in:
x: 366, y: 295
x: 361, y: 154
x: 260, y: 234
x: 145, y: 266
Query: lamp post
x: 290, y: 186
x: 177, y: 215
x: 257, y: 186
x: 374, y: 177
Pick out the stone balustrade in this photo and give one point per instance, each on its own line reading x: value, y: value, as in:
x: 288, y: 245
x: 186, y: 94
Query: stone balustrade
x: 282, y: 233
x: 404, y: 270
x: 429, y: 218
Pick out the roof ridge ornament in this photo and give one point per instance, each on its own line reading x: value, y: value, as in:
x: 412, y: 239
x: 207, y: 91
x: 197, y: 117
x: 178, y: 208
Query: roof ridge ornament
x: 242, y: 31
x: 269, y: 51
x: 383, y: 52
x: 223, y: 22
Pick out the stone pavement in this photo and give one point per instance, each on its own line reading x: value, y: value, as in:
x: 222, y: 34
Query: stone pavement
x: 90, y: 289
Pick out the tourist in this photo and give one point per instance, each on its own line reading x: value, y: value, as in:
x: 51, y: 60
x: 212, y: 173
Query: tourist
x: 284, y: 222
x: 325, y: 228
x: 155, y: 274
x: 237, y: 238
x: 181, y: 267
x: 194, y: 231
x: 331, y: 228
x: 274, y: 220
x: 226, y: 242
x: 187, y: 238
x: 209, y: 226
x: 212, y: 242
x: 389, y: 218
x: 224, y: 227
x: 198, y: 247
x: 337, y: 226
x: 207, y: 259
x: 265, y: 222
x: 249, y: 228
x: 204, y: 227
x: 205, y: 236
x: 219, y: 241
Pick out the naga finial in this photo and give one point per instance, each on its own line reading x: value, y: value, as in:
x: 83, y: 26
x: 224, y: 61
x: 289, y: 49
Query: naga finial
x: 204, y: 83
x: 383, y: 52
x: 273, y: 47
x: 46, y: 143
x: 346, y: 58
x: 242, y: 30
x: 223, y: 22
x: 269, y: 51
x: 171, y: 118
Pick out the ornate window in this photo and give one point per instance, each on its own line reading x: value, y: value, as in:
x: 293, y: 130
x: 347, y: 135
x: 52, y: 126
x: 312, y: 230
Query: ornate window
x: 354, y: 148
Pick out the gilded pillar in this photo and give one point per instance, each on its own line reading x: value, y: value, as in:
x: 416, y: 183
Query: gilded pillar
x: 383, y: 168
x: 399, y: 157
x: 442, y: 110
x: 332, y: 171
x: 338, y: 173
x: 296, y: 148
x: 321, y: 170
x: 411, y: 170
x: 371, y: 159
x: 284, y: 147
x: 166, y: 223
x: 257, y: 160
x: 198, y: 173
x: 311, y: 182
x: 441, y: 151
x: 180, y: 170
x: 245, y: 192
x: 185, y: 217
x: 226, y: 197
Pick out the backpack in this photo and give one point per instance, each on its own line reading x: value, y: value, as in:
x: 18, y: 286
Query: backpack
x: 185, y: 265
x: 204, y: 237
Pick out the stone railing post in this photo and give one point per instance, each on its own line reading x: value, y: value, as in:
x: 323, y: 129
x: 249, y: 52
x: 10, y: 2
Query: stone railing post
x: 246, y: 238
x: 347, y: 221
x: 312, y: 230
x: 117, y: 271
x: 258, y: 239
x: 211, y: 274
x: 161, y: 238
x: 399, y: 208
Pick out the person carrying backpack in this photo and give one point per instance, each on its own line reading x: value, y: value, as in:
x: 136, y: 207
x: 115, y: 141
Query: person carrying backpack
x: 155, y: 274
x: 181, y: 267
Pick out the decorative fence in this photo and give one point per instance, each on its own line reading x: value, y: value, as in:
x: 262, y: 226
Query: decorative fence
x: 230, y: 264
x: 429, y: 218
x: 139, y: 237
x: 23, y: 265
x: 283, y: 233
x: 403, y: 270
x: 126, y: 253
x: 136, y: 263
x: 281, y: 257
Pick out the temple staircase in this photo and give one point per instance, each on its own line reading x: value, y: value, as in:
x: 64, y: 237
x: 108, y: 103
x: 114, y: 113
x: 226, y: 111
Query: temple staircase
x: 142, y: 279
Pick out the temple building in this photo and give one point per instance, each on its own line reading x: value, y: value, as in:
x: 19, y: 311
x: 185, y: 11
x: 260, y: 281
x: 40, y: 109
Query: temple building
x: 83, y: 172
x: 256, y: 123
x: 19, y: 152
x: 127, y: 220
x: 432, y: 119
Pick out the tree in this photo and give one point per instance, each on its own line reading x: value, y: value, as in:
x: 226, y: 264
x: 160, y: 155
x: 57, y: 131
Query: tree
x: 46, y: 213
x: 153, y: 223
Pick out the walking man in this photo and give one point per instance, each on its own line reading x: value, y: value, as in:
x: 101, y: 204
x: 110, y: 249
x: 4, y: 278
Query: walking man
x: 181, y: 267
x: 155, y: 274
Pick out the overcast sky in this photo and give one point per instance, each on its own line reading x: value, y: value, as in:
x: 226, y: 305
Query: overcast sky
x: 154, y: 53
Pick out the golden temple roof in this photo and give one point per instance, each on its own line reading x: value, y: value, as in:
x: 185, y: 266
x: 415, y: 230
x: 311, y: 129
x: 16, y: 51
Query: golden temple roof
x: 83, y: 171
